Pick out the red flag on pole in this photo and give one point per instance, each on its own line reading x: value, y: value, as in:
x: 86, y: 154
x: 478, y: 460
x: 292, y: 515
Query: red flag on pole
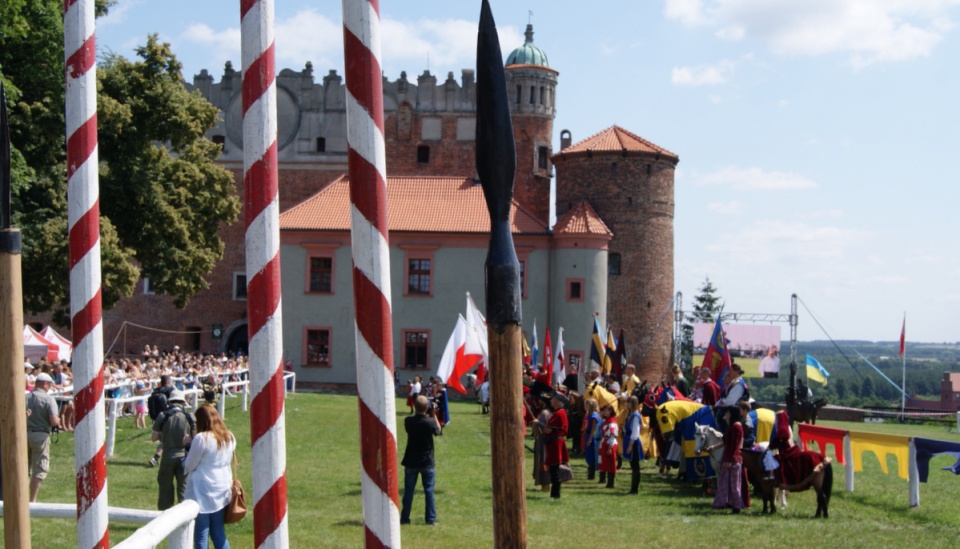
x: 548, y: 357
x: 903, y: 335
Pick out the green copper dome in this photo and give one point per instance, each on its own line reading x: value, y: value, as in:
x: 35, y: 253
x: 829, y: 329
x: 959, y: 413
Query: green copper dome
x: 528, y: 54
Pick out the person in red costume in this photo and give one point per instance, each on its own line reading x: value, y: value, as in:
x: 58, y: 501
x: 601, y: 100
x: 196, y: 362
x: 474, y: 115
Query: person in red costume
x: 711, y: 391
x: 555, y: 441
x: 731, y: 464
x: 608, y: 445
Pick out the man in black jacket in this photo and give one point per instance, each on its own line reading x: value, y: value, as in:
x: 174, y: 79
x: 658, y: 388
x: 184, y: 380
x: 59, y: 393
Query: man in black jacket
x: 418, y: 458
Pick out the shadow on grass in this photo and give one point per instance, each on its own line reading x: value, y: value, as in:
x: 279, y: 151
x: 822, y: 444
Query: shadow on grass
x: 349, y: 523
x: 129, y: 463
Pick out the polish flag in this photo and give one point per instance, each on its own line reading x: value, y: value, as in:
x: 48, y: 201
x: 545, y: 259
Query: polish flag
x: 455, y: 360
x: 477, y: 337
x: 548, y: 357
x: 559, y: 373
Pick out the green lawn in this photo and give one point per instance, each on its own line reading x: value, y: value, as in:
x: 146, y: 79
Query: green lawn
x: 325, y: 504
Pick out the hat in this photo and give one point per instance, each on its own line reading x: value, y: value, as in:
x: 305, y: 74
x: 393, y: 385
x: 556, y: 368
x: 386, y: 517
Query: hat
x: 28, y: 365
x: 177, y: 396
x: 41, y: 377
x: 561, y: 397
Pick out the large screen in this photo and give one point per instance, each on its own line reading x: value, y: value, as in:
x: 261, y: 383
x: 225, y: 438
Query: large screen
x: 748, y: 343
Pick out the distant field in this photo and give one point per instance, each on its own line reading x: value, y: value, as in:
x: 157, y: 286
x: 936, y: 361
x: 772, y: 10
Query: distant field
x: 751, y: 366
x: 325, y: 504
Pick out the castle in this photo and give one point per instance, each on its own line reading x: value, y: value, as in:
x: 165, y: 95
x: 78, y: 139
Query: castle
x: 610, y: 252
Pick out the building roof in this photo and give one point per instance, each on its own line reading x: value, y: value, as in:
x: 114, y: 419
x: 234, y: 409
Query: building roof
x: 582, y: 219
x: 616, y: 139
x: 414, y: 204
x: 528, y: 54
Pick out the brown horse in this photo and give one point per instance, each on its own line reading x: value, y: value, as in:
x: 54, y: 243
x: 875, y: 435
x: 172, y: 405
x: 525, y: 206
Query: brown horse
x: 804, y: 411
x: 820, y: 478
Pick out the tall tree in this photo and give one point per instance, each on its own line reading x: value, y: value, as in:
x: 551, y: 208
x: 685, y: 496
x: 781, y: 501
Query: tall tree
x: 163, y: 198
x: 706, y: 306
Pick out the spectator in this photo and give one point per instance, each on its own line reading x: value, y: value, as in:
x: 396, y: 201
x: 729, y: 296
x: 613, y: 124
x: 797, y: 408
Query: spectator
x: 210, y: 481
x: 171, y: 428
x: 42, y: 416
x: 418, y: 460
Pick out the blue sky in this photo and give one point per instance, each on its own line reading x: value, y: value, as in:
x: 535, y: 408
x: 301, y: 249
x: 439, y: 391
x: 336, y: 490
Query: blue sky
x: 817, y: 138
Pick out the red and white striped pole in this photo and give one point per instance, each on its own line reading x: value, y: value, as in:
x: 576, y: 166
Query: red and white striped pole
x: 267, y: 431
x: 83, y: 213
x: 371, y: 273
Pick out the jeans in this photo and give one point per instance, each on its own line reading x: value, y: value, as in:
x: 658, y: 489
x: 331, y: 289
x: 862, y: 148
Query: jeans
x: 428, y: 474
x: 210, y: 525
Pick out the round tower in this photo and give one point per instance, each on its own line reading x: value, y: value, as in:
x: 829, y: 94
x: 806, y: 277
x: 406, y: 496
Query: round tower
x: 532, y: 88
x: 629, y: 183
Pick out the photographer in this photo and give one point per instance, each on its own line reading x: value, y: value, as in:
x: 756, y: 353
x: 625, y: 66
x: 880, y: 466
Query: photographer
x: 418, y: 457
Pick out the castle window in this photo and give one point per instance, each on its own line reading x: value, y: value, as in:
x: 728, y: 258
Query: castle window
x: 423, y: 154
x: 321, y: 275
x: 575, y: 289
x: 416, y: 349
x: 543, y: 96
x: 649, y: 169
x: 419, y: 274
x: 220, y: 140
x: 523, y: 278
x: 519, y: 94
x: 543, y: 157
x: 629, y: 201
x: 147, y: 287
x: 316, y: 348
x: 240, y: 286
x: 193, y: 337
x: 321, y: 144
x: 613, y: 168
x: 613, y: 264
x: 533, y: 96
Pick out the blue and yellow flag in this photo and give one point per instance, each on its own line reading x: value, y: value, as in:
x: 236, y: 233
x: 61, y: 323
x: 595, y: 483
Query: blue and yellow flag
x: 598, y: 348
x: 816, y: 371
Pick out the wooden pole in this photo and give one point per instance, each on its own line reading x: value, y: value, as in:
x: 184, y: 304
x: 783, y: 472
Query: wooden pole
x: 496, y: 164
x: 13, y: 420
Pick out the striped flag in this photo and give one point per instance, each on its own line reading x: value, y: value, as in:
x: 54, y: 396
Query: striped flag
x: 598, y: 346
x: 903, y: 335
x: 816, y: 371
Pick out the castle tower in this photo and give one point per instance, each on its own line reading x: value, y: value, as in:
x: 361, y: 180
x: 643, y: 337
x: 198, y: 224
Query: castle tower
x: 629, y: 182
x: 532, y: 89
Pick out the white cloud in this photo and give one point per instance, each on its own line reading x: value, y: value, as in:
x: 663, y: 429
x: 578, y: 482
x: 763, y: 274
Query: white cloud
x: 755, y: 179
x: 703, y: 75
x: 790, y: 242
x: 868, y: 31
x: 732, y: 207
x: 218, y: 46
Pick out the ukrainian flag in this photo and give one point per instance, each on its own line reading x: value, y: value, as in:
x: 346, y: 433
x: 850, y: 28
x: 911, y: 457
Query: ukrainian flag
x: 816, y: 371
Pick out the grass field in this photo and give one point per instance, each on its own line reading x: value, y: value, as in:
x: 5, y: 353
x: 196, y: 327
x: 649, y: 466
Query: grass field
x: 325, y: 505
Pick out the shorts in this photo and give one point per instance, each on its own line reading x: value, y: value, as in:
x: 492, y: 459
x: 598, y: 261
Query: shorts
x: 38, y: 443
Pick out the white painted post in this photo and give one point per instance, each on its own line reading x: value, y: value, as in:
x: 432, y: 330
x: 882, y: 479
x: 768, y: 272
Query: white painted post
x: 914, y: 476
x: 848, y: 458
x: 221, y: 403
x: 112, y: 428
x: 246, y: 394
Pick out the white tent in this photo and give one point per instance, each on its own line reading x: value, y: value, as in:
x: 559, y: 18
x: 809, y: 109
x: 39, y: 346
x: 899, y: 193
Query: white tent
x: 35, y: 346
x: 65, y: 345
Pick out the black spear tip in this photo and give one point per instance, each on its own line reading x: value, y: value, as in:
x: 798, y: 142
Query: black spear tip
x: 496, y: 164
x: 496, y: 151
x: 5, y: 197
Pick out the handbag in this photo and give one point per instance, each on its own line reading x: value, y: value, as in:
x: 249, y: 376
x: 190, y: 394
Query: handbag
x: 237, y: 508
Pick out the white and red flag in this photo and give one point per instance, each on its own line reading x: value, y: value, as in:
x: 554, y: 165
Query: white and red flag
x: 456, y: 361
x: 903, y: 335
x: 477, y: 340
x: 558, y: 370
x: 548, y: 357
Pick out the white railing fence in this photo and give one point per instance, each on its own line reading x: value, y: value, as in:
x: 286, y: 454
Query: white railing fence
x: 175, y: 525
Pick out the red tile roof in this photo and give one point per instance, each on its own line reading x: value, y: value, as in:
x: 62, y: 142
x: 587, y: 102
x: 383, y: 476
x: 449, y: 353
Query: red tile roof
x: 616, y: 139
x: 580, y: 220
x: 414, y: 204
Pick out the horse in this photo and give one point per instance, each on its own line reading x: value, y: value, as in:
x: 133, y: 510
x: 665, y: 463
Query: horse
x: 752, y: 461
x: 820, y: 477
x: 805, y: 411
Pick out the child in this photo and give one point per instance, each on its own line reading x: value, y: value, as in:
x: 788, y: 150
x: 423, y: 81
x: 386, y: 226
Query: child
x: 608, y: 444
x: 633, y: 449
x: 731, y: 464
x: 141, y: 388
x: 589, y: 442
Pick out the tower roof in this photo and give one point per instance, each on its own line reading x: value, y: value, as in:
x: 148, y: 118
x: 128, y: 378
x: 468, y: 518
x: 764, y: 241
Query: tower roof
x: 616, y: 139
x: 582, y: 219
x: 414, y: 204
x: 528, y: 54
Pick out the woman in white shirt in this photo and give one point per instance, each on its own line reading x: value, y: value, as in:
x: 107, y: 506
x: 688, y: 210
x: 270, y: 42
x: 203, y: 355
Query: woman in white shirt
x: 210, y: 480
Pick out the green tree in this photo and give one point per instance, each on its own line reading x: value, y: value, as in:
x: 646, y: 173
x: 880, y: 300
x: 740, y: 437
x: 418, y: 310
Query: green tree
x: 163, y: 199
x: 841, y: 388
x: 867, y: 389
x: 706, y: 306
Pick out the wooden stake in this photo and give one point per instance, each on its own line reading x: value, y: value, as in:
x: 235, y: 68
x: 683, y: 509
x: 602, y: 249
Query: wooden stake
x: 13, y: 419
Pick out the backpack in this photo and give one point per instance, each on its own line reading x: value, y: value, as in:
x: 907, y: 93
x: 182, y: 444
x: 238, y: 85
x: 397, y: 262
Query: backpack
x: 157, y: 403
x: 172, y: 410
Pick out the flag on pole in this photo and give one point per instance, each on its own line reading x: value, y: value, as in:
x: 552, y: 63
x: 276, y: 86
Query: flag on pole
x: 455, y: 360
x: 816, y: 371
x: 548, y: 357
x: 717, y: 358
x: 599, y: 346
x: 558, y: 364
x: 526, y: 350
x: 477, y: 340
x: 620, y: 357
x: 610, y: 353
x: 536, y: 348
x: 903, y: 335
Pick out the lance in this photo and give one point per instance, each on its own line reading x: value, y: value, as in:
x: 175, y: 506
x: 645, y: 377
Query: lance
x: 13, y: 420
x: 496, y: 163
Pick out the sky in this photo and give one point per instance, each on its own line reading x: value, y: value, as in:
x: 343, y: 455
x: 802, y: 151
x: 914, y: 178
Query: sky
x: 818, y: 139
